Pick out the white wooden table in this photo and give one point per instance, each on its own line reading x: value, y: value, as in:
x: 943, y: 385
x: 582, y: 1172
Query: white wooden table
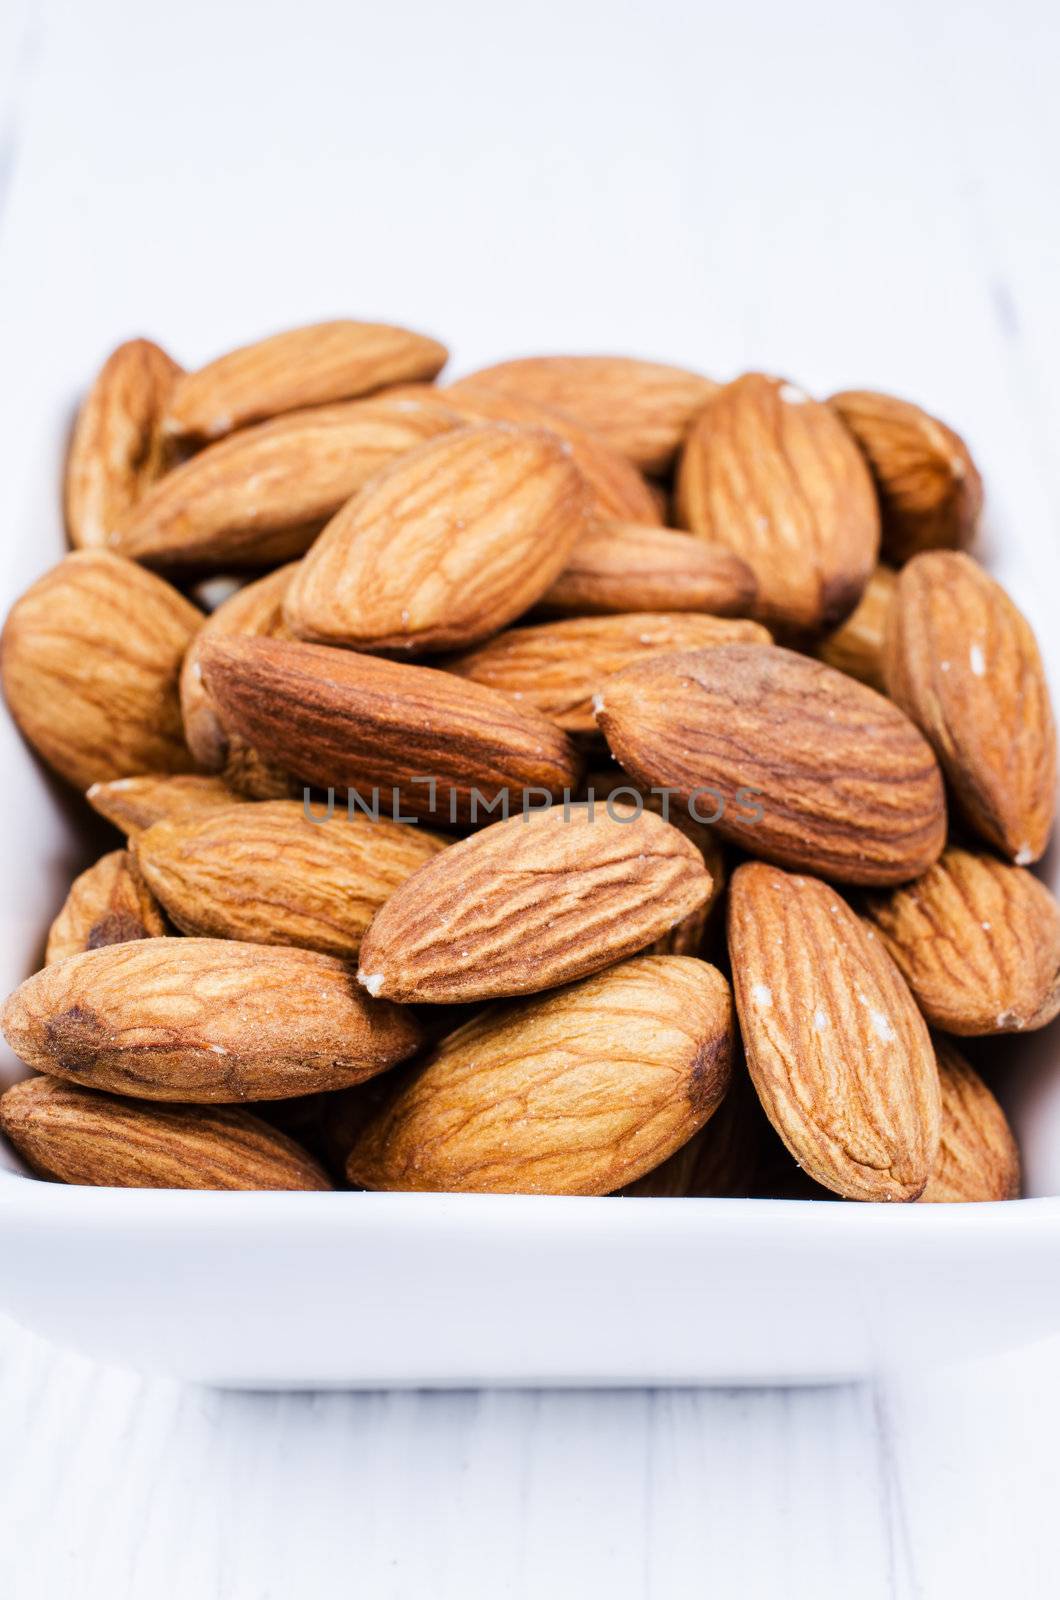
x: 844, y: 196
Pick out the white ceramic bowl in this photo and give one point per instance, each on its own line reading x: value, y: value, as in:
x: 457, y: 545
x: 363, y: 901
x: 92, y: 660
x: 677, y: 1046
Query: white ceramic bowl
x: 369, y: 1289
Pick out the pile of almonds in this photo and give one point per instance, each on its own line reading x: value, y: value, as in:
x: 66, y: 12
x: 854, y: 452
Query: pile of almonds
x: 534, y: 783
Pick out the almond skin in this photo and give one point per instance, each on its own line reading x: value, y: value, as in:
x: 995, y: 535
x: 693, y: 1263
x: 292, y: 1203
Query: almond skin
x: 723, y: 1160
x: 268, y: 874
x: 978, y: 942
x: 845, y: 784
x: 558, y: 667
x: 631, y: 566
x: 133, y: 804
x: 91, y: 658
x: 978, y: 1158
x: 205, y: 1021
x: 77, y: 1136
x: 108, y: 904
x: 775, y: 477
x: 310, y: 366
x: 116, y: 450
x: 963, y: 662
x: 837, y: 1050
x: 342, y: 720
x: 577, y: 1092
x: 444, y: 547
x: 856, y: 647
x: 264, y: 494
x: 643, y: 409
x: 929, y: 489
x: 531, y: 903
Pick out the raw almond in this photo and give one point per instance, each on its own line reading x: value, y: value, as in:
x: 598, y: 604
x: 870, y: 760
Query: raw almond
x: 578, y: 1092
x: 812, y: 769
x: 929, y: 489
x: 107, y: 904
x: 978, y: 942
x: 117, y: 451
x: 775, y: 477
x: 78, y: 1136
x: 275, y: 873
x: 721, y: 1161
x: 133, y: 804
x: 963, y: 662
x: 631, y: 566
x: 837, y: 1050
x: 204, y: 1020
x: 91, y: 658
x: 531, y: 903
x: 444, y: 547
x: 559, y: 667
x: 450, y: 748
x: 856, y: 646
x: 643, y: 409
x: 310, y: 366
x: 978, y: 1158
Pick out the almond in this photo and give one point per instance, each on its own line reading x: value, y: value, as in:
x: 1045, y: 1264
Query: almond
x: 274, y: 873
x: 531, y: 903
x: 856, y: 646
x: 90, y: 663
x: 837, y: 1050
x: 204, y: 1020
x: 643, y: 409
x: 107, y: 904
x: 963, y: 662
x: 721, y: 1161
x: 559, y: 667
x: 978, y: 1158
x: 631, y: 566
x: 133, y: 804
x: 309, y: 366
x: 77, y: 1136
x: 444, y: 547
x: 449, y: 748
x: 807, y: 767
x: 775, y: 477
x: 578, y: 1092
x: 929, y: 489
x: 977, y: 941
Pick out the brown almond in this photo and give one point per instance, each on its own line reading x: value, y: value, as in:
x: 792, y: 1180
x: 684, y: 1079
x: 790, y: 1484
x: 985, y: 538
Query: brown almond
x: 445, y: 546
x: 793, y: 761
x: 78, y: 1136
x: 309, y: 366
x: 978, y: 1158
x: 963, y: 662
x: 929, y: 489
x: 723, y: 1160
x: 107, y: 904
x: 205, y: 1021
x: 837, y: 1050
x: 133, y: 804
x: 856, y: 647
x: 577, y: 1092
x: 630, y: 566
x: 978, y: 942
x: 775, y: 477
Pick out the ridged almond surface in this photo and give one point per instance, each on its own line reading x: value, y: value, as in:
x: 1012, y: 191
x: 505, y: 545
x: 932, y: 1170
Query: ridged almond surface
x: 90, y: 660
x: 963, y: 662
x: 133, y: 804
x: 839, y: 1053
x: 263, y: 495
x: 445, y: 546
x: 630, y: 566
x: 117, y: 451
x: 978, y: 942
x: 78, y: 1136
x: 205, y: 1021
x: 642, y: 408
x: 341, y: 720
x: 723, y: 1160
x: 270, y: 874
x: 531, y: 903
x: 774, y: 476
x: 844, y: 783
x: 930, y: 491
x: 311, y: 366
x: 558, y: 667
x: 856, y: 647
x: 578, y: 1092
x: 107, y: 904
x: 978, y: 1158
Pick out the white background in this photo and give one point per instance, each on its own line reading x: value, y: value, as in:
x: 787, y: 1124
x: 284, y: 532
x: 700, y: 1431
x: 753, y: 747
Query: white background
x: 844, y: 195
